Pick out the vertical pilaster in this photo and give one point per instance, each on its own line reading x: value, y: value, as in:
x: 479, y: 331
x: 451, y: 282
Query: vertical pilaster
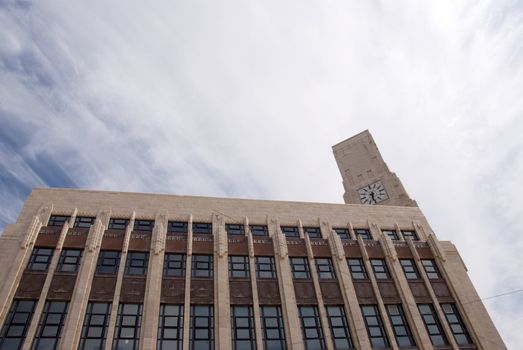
x: 187, y: 296
x: 21, y: 258
x: 222, y: 309
x: 31, y: 332
x: 118, y: 287
x: 286, y: 285
x: 153, y: 288
x: 254, y: 286
x: 76, y: 312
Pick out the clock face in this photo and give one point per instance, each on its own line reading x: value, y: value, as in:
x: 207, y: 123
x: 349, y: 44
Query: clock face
x: 373, y: 193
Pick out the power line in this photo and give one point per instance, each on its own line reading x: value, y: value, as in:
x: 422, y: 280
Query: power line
x: 495, y: 296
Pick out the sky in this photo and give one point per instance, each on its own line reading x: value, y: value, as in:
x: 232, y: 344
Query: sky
x: 245, y: 99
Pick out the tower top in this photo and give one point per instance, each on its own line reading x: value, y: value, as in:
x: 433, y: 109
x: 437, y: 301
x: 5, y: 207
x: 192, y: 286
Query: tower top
x: 366, y: 177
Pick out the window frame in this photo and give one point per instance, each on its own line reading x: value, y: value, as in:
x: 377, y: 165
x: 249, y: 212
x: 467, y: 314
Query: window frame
x: 143, y: 225
x: 195, y: 324
x: 392, y: 234
x: 241, y: 324
x: 179, y: 260
x: 358, y: 271
x: 306, y: 327
x: 47, y: 323
x: 36, y: 255
x: 339, y: 322
x: 260, y: 270
x: 238, y: 266
x: 136, y: 270
x: 20, y: 309
x: 365, y: 234
x: 410, y: 234
x: 69, y: 254
x: 300, y: 261
x: 431, y: 269
x: 259, y: 230
x: 84, y: 221
x: 325, y: 269
x: 235, y: 229
x: 118, y: 224
x: 432, y: 321
x: 166, y: 326
x: 377, y: 324
x: 312, y: 232
x: 411, y: 271
x: 123, y: 325
x: 381, y: 271
x: 455, y: 320
x: 181, y: 227
x: 202, y: 228
x: 272, y: 324
x: 88, y: 324
x: 399, y: 315
x: 195, y: 268
x: 344, y: 233
x: 290, y: 231
x: 102, y: 258
x: 57, y: 220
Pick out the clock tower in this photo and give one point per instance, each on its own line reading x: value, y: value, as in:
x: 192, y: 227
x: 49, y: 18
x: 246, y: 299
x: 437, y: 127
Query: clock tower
x: 366, y: 177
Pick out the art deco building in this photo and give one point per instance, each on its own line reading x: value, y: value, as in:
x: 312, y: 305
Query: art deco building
x: 110, y: 270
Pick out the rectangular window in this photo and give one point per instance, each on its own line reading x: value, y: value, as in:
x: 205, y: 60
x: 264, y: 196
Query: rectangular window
x: 456, y: 324
x: 272, y: 328
x: 174, y: 265
x: 137, y: 263
x: 342, y: 232
x: 374, y: 325
x: 364, y: 233
x: 118, y: 224
x: 265, y: 267
x: 409, y: 267
x: 202, y: 228
x: 16, y: 324
x: 290, y: 231
x: 339, y: 329
x: 431, y: 269
x: 177, y: 227
x: 40, y: 259
x: 313, y: 232
x: 432, y: 324
x: 410, y: 234
x: 201, y: 328
x: 96, y: 321
x: 57, y: 220
x: 311, y: 328
x: 392, y: 234
x: 242, y: 322
x: 108, y: 262
x: 400, y: 327
x: 202, y: 265
x: 128, y: 326
x: 325, y: 268
x: 170, y: 327
x: 50, y: 326
x: 143, y: 225
x: 69, y: 260
x: 379, y: 267
x: 259, y: 230
x: 238, y: 266
x: 235, y: 229
x: 357, y: 269
x: 83, y: 221
x: 300, y: 268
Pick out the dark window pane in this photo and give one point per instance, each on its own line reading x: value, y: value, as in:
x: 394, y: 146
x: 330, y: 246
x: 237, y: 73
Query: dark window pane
x: 57, y: 220
x: 300, y: 268
x: 432, y: 324
x: 202, y: 228
x: 259, y: 230
x: 235, y: 229
x: 342, y: 232
x: 202, y: 265
x: 357, y: 269
x: 313, y: 232
x: 40, y: 259
x: 50, y: 325
x: 311, y: 328
x: 118, y: 224
x: 290, y: 231
x: 177, y: 226
x: 364, y: 233
x: 374, y: 324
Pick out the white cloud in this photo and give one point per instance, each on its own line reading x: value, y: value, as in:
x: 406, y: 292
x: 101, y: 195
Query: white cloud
x: 245, y: 99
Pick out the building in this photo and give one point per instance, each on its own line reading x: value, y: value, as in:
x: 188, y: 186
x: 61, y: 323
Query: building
x: 110, y: 270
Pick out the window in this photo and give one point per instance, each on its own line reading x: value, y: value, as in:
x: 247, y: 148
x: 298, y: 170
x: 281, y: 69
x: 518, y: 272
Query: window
x: 364, y: 233
x: 202, y: 228
x: 238, y: 266
x: 431, y: 269
x: 40, y: 259
x: 16, y: 324
x: 265, y: 267
x: 325, y: 268
x: 174, y: 265
x: 311, y: 328
x: 456, y: 324
x: 170, y: 327
x: 202, y: 265
x: 96, y: 321
x: 57, y: 220
x: 374, y: 325
x: 242, y: 322
x: 290, y: 231
x: 201, y: 328
x: 50, y: 326
x: 411, y: 234
x: 118, y: 224
x: 137, y: 263
x: 83, y: 221
x: 400, y: 326
x: 313, y: 232
x: 379, y: 267
x: 128, y: 324
x: 432, y: 324
x: 342, y: 232
x: 300, y: 268
x: 259, y: 230
x: 409, y: 267
x: 177, y: 227
x: 108, y: 262
x: 143, y: 225
x: 272, y: 328
x: 235, y: 229
x: 392, y: 234
x: 339, y: 328
x: 357, y: 269
x: 69, y: 260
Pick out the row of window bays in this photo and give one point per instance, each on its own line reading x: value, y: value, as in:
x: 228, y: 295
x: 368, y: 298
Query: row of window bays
x: 128, y: 325
x: 234, y: 229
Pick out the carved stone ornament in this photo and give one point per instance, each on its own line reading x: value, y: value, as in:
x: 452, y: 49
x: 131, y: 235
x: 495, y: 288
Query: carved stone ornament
x: 159, y: 233
x: 95, y: 235
x: 337, y: 245
x: 436, y: 247
x: 32, y: 232
x: 388, y: 247
x: 280, y: 244
x: 221, y: 242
